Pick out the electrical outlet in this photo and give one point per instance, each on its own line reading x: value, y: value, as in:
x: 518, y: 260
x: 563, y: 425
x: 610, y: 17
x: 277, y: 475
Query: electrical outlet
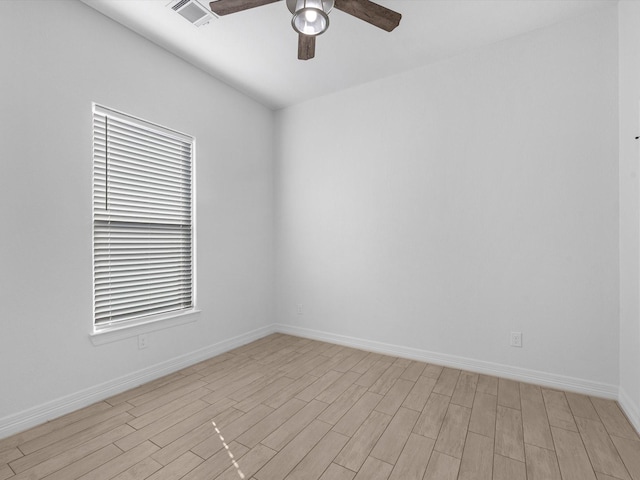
x: 516, y: 339
x: 143, y: 341
x: 300, y: 309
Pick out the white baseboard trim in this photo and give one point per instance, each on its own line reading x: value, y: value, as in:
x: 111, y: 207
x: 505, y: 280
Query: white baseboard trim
x: 31, y: 417
x: 551, y: 380
x: 630, y: 408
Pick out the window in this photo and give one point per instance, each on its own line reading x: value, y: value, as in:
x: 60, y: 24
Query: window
x: 142, y: 220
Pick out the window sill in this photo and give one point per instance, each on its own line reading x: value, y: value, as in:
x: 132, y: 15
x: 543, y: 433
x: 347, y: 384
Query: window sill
x: 116, y: 333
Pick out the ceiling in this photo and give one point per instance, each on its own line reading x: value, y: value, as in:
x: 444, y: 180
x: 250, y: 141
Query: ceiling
x: 255, y: 51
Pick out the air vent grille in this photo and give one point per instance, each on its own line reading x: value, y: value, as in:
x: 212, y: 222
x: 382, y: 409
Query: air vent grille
x: 180, y: 4
x: 192, y: 11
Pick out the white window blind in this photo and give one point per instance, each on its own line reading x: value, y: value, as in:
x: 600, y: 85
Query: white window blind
x: 142, y: 219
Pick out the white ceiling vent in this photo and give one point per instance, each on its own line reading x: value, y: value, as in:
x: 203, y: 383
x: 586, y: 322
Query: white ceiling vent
x: 192, y: 11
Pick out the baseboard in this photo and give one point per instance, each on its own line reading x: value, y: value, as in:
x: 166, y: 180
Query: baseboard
x: 551, y: 380
x: 630, y: 408
x: 31, y: 417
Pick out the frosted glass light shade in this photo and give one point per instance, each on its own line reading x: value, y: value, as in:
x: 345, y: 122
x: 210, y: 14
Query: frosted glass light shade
x: 310, y: 17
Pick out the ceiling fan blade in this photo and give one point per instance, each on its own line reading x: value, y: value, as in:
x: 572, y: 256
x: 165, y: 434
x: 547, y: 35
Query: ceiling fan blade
x: 370, y: 12
x: 226, y: 7
x: 306, y: 47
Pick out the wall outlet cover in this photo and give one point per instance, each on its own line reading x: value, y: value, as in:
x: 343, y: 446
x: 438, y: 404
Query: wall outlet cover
x: 143, y: 341
x: 516, y: 339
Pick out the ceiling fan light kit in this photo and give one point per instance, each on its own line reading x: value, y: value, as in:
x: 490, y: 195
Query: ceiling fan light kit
x: 311, y: 17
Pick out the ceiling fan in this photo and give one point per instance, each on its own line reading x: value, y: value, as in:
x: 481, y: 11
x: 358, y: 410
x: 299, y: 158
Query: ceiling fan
x: 311, y: 17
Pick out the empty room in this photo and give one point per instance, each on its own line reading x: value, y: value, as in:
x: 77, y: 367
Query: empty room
x: 320, y: 239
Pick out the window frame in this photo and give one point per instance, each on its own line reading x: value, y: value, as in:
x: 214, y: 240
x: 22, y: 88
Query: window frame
x: 106, y: 331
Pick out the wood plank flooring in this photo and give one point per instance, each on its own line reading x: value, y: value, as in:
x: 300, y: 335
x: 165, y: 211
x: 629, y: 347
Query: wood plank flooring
x: 287, y: 408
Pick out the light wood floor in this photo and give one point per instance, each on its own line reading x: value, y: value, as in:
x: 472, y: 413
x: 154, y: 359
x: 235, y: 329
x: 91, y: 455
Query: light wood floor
x: 291, y: 408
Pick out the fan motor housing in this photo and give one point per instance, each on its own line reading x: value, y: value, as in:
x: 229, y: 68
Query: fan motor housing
x: 327, y: 5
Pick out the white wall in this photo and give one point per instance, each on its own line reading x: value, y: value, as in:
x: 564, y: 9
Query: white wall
x: 57, y: 57
x: 629, y: 45
x: 440, y: 209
